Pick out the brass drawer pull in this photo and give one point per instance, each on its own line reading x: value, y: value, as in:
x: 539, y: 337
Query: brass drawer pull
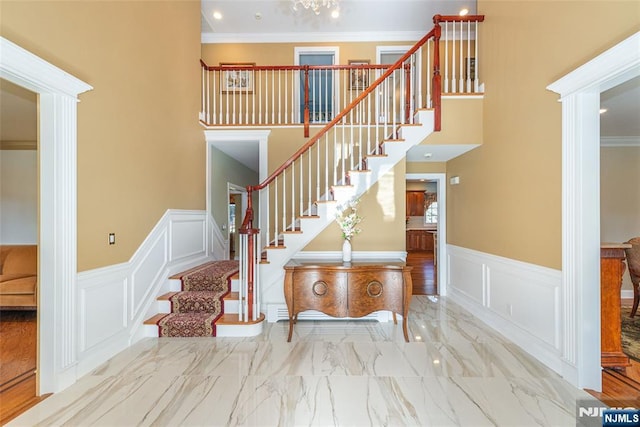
x: 319, y: 288
x: 374, y: 289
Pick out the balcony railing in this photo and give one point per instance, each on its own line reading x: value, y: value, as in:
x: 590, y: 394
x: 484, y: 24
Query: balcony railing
x: 256, y: 95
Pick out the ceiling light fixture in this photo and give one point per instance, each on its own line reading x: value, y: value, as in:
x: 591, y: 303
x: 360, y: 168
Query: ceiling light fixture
x: 217, y: 15
x: 315, y: 5
x: 464, y: 11
x: 603, y: 110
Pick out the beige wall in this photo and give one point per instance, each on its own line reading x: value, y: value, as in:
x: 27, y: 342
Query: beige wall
x: 140, y: 148
x: 383, y: 210
x: 426, y: 167
x: 508, y: 201
x: 619, y: 196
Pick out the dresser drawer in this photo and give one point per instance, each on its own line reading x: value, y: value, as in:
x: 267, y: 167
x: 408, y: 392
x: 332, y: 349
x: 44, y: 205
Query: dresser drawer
x: 375, y: 290
x: 325, y: 291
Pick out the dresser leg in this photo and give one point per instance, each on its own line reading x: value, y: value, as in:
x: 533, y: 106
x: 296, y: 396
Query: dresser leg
x: 290, y: 329
x: 404, y: 328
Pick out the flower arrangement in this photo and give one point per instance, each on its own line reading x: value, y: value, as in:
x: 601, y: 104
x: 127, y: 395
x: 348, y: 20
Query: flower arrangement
x: 349, y: 219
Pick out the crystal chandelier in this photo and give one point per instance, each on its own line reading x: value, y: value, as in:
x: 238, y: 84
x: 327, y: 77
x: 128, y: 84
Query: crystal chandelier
x: 315, y: 5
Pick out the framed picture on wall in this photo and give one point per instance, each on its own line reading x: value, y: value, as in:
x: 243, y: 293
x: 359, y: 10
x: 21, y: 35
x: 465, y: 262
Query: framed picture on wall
x: 237, y: 81
x: 358, y: 77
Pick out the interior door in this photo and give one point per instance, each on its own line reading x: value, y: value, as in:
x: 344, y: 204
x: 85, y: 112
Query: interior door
x: 320, y: 87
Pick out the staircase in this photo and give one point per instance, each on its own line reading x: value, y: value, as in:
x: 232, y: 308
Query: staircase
x: 373, y: 132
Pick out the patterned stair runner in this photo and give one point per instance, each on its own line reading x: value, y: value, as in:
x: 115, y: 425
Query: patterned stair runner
x: 196, y: 308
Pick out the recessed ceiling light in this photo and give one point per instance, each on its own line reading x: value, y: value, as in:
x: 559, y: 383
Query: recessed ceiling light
x: 258, y: 16
x: 603, y: 110
x: 217, y: 15
x: 428, y: 155
x: 464, y: 11
x: 335, y: 13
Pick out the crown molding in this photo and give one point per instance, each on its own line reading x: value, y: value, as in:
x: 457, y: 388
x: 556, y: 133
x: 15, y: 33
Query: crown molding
x: 620, y: 141
x: 372, y: 36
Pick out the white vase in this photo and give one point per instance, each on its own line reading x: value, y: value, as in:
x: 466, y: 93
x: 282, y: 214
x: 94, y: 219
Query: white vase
x: 346, y: 251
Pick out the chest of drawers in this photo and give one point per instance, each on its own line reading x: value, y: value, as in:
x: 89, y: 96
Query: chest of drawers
x: 347, y: 289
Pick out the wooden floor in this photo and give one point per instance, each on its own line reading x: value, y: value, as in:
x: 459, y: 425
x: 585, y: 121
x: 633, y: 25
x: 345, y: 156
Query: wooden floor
x: 423, y: 274
x: 18, y: 330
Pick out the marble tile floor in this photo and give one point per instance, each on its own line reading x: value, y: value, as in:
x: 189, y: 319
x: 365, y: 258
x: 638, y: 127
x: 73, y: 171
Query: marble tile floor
x: 454, y: 372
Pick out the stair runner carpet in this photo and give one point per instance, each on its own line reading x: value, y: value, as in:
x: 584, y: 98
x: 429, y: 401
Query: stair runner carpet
x: 196, y: 308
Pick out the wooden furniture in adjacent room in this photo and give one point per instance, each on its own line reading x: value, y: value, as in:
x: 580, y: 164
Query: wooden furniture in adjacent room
x: 419, y: 240
x: 633, y: 264
x: 415, y: 203
x: 353, y: 289
x: 611, y: 270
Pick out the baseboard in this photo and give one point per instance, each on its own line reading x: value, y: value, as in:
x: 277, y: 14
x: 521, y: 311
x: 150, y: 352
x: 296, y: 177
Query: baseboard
x: 519, y: 300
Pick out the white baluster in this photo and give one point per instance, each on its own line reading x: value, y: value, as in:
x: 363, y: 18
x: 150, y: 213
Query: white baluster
x: 446, y: 57
x: 284, y: 201
x: 275, y: 214
x: 293, y: 195
x: 242, y: 276
x: 476, y: 81
x: 461, y: 72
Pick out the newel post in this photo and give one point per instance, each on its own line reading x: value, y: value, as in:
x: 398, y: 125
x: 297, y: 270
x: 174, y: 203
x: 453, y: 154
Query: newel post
x: 306, y: 101
x: 436, y: 96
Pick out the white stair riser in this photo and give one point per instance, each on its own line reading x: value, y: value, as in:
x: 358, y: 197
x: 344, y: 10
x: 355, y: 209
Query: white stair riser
x: 249, y: 330
x: 231, y: 305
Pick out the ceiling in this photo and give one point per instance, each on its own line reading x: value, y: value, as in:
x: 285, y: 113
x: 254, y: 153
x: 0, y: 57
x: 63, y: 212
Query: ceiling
x: 256, y: 21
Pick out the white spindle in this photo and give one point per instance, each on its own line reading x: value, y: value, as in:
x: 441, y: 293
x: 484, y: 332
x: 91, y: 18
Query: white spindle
x: 446, y: 56
x: 301, y: 205
x: 275, y: 214
x: 476, y: 81
x: 293, y: 195
x: 461, y: 71
x: 242, y: 275
x: 279, y: 97
x: 267, y: 214
x: 310, y: 151
x: 284, y: 201
x: 256, y: 275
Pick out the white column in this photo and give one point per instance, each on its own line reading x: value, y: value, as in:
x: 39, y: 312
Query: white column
x: 58, y: 234
x: 581, y: 239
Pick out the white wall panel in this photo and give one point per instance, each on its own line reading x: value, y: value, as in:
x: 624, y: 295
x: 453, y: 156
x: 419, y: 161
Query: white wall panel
x: 192, y: 240
x: 461, y: 267
x: 147, y: 271
x: 519, y: 300
x: 102, y: 312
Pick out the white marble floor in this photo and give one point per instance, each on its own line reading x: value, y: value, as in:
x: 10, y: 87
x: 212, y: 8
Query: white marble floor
x: 454, y: 372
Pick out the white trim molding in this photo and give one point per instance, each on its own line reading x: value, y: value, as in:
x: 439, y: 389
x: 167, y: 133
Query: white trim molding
x: 58, y: 97
x: 114, y: 301
x: 519, y: 300
x: 580, y: 308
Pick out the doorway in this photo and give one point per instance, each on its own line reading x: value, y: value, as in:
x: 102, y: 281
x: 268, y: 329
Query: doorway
x: 237, y: 197
x: 430, y: 259
x: 322, y: 87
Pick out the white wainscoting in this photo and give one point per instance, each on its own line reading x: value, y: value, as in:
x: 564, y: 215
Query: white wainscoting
x: 114, y: 301
x: 519, y: 300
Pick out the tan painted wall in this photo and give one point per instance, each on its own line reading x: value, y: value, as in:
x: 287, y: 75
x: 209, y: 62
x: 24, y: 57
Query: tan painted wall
x: 508, y: 202
x: 140, y: 148
x: 426, y: 167
x: 619, y: 196
x: 383, y: 210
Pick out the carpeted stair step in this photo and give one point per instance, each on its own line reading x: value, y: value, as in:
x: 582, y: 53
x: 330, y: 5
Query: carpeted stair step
x: 195, y: 309
x: 188, y: 324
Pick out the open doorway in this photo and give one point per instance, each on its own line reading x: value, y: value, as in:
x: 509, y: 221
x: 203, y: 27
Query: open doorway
x: 237, y: 197
x: 18, y: 249
x: 425, y: 195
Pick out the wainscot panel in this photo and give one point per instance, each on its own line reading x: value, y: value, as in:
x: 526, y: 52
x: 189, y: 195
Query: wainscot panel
x: 115, y: 300
x: 519, y: 300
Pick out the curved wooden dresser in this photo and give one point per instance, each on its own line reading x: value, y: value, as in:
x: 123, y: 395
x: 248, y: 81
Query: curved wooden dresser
x: 353, y: 289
